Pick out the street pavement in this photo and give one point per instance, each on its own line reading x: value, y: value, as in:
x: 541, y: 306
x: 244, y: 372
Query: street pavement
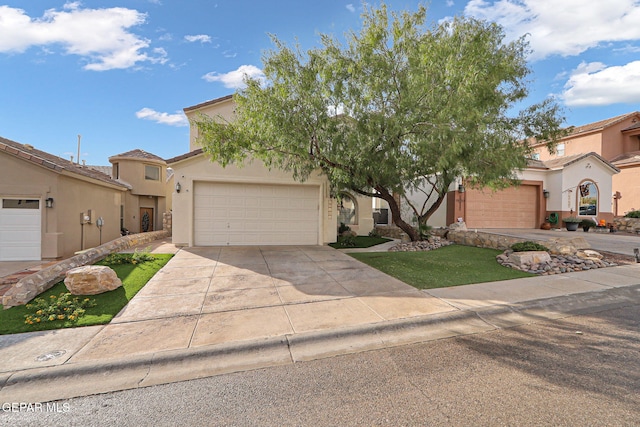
x: 217, y: 310
x: 578, y: 371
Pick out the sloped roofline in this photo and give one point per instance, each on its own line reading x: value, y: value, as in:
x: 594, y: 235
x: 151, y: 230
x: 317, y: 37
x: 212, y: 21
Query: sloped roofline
x: 208, y: 103
x: 562, y: 162
x: 56, y: 164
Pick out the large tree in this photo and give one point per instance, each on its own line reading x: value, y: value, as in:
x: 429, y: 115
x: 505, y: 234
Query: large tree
x: 399, y: 106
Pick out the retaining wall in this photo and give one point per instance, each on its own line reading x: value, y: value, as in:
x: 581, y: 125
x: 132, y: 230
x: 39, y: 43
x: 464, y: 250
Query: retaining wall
x: 33, y: 285
x: 631, y: 225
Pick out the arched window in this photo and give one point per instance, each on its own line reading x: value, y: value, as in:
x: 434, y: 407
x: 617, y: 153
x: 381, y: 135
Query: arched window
x: 588, y: 198
x: 347, y: 210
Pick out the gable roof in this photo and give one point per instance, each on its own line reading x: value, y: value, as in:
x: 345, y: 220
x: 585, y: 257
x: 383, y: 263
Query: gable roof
x: 561, y: 162
x: 207, y: 103
x: 185, y: 156
x: 627, y: 159
x: 600, y: 125
x: 138, y: 154
x: 57, y: 164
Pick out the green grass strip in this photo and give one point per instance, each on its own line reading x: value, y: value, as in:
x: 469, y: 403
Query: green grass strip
x: 452, y: 265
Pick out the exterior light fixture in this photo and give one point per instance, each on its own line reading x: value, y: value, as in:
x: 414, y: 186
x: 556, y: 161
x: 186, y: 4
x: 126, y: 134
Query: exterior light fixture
x: 545, y: 193
x: 48, y: 202
x: 178, y: 187
x: 461, y: 188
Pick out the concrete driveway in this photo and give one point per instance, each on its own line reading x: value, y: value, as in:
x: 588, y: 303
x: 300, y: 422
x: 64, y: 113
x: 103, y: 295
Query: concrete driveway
x: 619, y: 243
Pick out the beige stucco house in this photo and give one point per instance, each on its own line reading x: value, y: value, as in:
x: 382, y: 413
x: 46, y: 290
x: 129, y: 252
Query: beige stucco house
x: 251, y: 204
x: 52, y: 207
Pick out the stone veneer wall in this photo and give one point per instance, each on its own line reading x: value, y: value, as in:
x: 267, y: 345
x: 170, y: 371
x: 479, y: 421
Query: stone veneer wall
x: 631, y: 225
x: 556, y: 246
x: 167, y: 222
x: 33, y: 285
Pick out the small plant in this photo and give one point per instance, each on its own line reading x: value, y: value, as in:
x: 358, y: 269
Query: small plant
x: 425, y: 231
x: 571, y: 219
x: 347, y: 241
x: 528, y: 246
x: 632, y: 214
x: 137, y: 257
x: 374, y: 233
x: 343, y: 228
x: 587, y: 223
x: 62, y: 307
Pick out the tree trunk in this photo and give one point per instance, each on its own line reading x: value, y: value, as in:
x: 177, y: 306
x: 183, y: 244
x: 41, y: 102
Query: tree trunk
x: 395, y: 214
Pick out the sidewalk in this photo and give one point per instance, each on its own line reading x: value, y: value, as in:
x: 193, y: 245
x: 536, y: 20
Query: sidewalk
x: 211, y: 311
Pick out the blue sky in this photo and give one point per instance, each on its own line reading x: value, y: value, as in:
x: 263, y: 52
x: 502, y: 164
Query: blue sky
x: 119, y: 72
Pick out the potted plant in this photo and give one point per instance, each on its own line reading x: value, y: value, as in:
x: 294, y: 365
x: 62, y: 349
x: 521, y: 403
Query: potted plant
x: 571, y: 223
x: 586, y: 224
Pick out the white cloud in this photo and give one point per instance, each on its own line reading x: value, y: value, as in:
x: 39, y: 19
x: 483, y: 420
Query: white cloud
x: 177, y: 119
x: 567, y: 27
x: 235, y: 79
x: 350, y: 8
x: 202, y: 38
x: 450, y: 3
x: 595, y: 84
x: 101, y: 36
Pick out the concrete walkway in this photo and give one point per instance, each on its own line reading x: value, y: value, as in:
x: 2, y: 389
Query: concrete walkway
x: 224, y: 309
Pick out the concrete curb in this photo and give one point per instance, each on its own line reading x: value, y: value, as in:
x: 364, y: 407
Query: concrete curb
x: 86, y: 378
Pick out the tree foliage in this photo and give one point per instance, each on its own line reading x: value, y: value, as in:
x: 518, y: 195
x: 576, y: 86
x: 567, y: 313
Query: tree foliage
x: 398, y: 106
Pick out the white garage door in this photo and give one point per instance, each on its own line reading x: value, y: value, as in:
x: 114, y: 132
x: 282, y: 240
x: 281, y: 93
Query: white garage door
x: 255, y: 214
x: 20, y: 230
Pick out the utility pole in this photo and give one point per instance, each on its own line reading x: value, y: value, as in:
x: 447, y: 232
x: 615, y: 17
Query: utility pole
x: 78, y: 160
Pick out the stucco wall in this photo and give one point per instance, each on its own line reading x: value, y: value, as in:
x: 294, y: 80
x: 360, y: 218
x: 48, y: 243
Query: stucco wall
x: 627, y: 182
x: 62, y: 233
x: 224, y: 108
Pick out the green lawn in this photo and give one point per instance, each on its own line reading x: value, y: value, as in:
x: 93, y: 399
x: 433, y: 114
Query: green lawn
x: 361, y: 242
x: 133, y: 277
x: 448, y: 266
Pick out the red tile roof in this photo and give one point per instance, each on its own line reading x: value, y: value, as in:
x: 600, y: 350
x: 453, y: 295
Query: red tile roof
x: 138, y: 154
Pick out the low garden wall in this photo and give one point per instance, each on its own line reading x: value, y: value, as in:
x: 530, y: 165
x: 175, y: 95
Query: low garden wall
x: 557, y: 246
x: 33, y: 285
x: 630, y: 225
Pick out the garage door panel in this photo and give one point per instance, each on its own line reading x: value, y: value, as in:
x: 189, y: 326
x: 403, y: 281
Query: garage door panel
x: 20, y: 230
x: 252, y: 214
x: 513, y: 207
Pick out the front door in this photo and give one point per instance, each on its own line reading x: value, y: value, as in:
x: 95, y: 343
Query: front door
x: 146, y: 219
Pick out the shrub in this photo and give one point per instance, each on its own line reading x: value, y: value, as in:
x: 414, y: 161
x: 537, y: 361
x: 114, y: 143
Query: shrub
x: 632, y: 214
x: 63, y: 307
x: 425, y: 231
x: 137, y: 257
x: 528, y: 246
x: 587, y: 223
x: 374, y: 233
x: 347, y: 241
x: 343, y: 228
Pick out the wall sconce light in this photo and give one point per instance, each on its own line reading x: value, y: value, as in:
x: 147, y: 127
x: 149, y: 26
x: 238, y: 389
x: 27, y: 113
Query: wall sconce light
x: 545, y: 193
x: 178, y: 187
x: 461, y: 188
x: 48, y: 202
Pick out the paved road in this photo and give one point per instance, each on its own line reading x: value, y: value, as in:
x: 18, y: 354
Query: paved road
x: 583, y: 370
x: 620, y: 243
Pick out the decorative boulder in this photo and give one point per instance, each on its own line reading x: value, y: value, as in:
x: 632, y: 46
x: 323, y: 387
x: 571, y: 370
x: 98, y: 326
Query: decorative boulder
x: 458, y: 226
x: 529, y: 257
x: 589, y: 254
x: 91, y: 280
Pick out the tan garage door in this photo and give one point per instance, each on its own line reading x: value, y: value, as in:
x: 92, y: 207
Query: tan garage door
x: 255, y: 214
x: 514, y: 207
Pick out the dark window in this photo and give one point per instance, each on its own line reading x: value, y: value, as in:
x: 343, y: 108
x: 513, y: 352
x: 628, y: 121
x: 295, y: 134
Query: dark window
x: 152, y: 173
x: 20, y: 204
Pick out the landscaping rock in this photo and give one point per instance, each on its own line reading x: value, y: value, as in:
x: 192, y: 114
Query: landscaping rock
x: 556, y: 264
x: 91, y: 280
x: 458, y: 226
x: 589, y: 254
x: 422, y: 245
x: 529, y: 257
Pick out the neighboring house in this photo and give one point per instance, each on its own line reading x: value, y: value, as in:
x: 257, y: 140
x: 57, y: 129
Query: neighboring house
x: 616, y: 140
x: 251, y: 204
x: 150, y: 189
x: 49, y: 206
x: 578, y: 185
